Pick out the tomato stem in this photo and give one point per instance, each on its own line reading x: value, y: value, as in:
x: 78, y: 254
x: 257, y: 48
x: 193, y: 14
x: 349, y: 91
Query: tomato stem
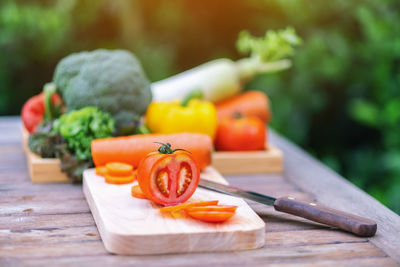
x: 237, y: 115
x: 165, y: 148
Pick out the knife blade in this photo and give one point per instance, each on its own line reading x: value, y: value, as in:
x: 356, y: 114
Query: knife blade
x: 309, y: 210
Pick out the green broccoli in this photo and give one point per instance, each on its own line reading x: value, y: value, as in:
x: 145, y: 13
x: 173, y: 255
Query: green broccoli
x: 112, y: 80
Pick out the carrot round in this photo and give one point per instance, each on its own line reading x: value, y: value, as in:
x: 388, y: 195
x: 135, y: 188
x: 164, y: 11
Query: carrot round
x: 137, y: 192
x: 250, y: 103
x: 131, y: 149
x: 119, y: 169
x: 119, y: 179
x: 101, y: 170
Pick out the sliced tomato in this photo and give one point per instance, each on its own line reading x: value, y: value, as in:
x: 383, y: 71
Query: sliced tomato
x: 110, y: 179
x: 119, y: 169
x: 229, y: 208
x: 168, y: 177
x: 101, y: 170
x: 188, y: 206
x: 211, y: 216
x: 137, y: 192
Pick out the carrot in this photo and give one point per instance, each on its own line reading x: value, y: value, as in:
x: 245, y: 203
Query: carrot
x: 137, y: 192
x: 131, y: 149
x: 250, y: 103
x: 119, y: 169
x: 110, y: 179
x: 101, y: 170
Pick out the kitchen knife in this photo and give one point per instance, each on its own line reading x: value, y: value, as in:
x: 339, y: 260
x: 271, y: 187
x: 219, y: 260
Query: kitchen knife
x: 309, y: 210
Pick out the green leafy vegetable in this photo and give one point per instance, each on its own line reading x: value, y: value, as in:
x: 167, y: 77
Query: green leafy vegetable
x: 112, y: 80
x: 43, y: 142
x: 275, y: 45
x: 72, y: 166
x: 80, y: 127
x: 268, y: 53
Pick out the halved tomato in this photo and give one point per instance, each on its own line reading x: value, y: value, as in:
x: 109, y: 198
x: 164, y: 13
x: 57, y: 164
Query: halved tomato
x: 168, y: 177
x: 188, y: 205
x: 211, y: 216
x: 229, y: 208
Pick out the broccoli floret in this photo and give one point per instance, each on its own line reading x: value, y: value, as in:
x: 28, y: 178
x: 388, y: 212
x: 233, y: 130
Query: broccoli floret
x: 112, y: 80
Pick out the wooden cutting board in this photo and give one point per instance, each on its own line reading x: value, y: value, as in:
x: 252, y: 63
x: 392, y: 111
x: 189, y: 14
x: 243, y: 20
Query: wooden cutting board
x: 131, y: 226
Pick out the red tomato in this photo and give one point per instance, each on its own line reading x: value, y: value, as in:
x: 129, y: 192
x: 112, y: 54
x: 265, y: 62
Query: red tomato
x: 240, y: 134
x: 228, y: 208
x: 168, y: 177
x: 211, y: 216
x: 188, y: 205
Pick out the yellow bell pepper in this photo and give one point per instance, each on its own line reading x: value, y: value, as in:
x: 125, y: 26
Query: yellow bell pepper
x: 196, y: 116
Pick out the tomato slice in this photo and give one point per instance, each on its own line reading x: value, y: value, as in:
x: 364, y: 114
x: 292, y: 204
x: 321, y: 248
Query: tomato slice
x: 188, y: 206
x: 119, y: 169
x: 137, y: 192
x: 229, y: 208
x: 211, y: 216
x: 168, y: 179
x: 110, y: 179
x: 101, y: 170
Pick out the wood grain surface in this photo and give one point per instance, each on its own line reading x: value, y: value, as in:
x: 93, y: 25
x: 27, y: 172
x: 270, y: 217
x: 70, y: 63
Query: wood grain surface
x: 131, y: 226
x: 51, y: 224
x: 267, y: 161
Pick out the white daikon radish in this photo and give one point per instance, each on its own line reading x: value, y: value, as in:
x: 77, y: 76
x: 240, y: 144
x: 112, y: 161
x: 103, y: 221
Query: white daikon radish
x: 222, y: 78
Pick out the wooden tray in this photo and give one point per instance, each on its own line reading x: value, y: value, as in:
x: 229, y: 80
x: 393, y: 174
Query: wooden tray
x: 267, y: 161
x: 131, y: 226
x: 44, y: 170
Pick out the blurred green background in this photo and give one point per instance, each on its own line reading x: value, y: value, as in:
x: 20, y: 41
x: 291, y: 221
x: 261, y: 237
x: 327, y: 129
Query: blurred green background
x: 340, y: 101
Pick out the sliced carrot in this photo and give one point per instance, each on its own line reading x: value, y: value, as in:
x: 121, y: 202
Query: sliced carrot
x: 211, y: 216
x: 137, y: 192
x: 119, y: 179
x: 119, y: 169
x: 188, y: 205
x: 101, y: 170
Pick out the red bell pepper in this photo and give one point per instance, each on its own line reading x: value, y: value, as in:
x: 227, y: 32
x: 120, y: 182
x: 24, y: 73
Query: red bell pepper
x: 44, y: 105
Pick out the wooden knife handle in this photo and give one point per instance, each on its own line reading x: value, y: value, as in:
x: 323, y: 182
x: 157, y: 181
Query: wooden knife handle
x: 318, y: 213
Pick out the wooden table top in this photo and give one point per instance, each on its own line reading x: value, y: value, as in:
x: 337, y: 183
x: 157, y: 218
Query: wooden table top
x: 51, y: 223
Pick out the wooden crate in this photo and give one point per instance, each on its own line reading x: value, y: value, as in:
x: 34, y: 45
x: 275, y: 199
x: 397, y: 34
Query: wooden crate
x: 44, y: 170
x: 267, y: 161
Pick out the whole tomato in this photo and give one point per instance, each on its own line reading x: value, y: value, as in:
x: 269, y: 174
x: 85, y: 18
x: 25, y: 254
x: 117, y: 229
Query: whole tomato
x: 168, y: 177
x: 240, y: 134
